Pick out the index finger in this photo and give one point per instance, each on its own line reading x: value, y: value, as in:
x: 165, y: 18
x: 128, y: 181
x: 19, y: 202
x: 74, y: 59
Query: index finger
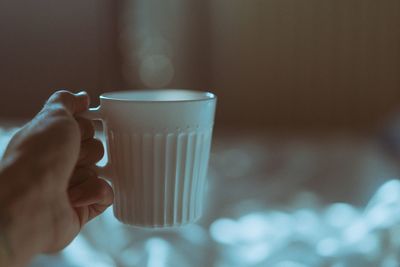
x: 74, y: 103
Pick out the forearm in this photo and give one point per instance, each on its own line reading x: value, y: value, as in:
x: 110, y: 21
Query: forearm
x: 20, y: 200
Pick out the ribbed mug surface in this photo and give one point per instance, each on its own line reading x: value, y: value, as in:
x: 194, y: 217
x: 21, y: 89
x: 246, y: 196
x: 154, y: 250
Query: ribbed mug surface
x: 159, y: 177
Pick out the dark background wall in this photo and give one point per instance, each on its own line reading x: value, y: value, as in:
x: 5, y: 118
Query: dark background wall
x: 307, y: 64
x: 53, y: 44
x: 276, y: 65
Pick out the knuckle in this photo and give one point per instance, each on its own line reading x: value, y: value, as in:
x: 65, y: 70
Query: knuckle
x: 103, y: 190
x: 86, y: 127
x: 63, y: 98
x: 58, y: 111
x: 63, y: 126
x: 62, y: 95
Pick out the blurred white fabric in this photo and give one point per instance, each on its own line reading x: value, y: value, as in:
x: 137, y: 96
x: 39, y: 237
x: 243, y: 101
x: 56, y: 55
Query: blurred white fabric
x: 290, y: 202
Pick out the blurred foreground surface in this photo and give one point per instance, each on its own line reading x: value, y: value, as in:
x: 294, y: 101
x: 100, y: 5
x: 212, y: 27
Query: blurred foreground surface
x: 331, y: 201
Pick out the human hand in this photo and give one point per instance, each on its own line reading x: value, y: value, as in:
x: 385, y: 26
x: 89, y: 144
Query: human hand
x: 48, y: 189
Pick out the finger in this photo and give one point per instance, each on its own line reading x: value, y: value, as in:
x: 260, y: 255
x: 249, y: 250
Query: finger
x: 92, y: 151
x: 80, y: 175
x: 87, y: 212
x: 97, y: 209
x: 73, y: 103
x: 93, y: 191
x: 87, y: 128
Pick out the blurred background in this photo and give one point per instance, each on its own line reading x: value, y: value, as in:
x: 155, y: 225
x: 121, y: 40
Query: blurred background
x: 308, y: 119
x: 276, y: 64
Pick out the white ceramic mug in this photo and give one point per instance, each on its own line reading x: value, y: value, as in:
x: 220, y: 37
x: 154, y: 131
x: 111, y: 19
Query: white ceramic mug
x: 158, y: 145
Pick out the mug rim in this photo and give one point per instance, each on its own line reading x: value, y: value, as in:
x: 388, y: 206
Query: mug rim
x: 203, y: 96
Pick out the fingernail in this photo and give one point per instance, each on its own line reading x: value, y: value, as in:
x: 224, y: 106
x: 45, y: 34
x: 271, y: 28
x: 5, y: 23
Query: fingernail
x: 81, y: 93
x: 86, y: 97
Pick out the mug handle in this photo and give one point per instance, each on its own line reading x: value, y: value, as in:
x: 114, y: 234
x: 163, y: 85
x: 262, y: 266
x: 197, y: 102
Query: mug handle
x: 95, y: 114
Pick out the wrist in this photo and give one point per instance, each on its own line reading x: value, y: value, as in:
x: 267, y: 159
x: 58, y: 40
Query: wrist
x: 6, y: 254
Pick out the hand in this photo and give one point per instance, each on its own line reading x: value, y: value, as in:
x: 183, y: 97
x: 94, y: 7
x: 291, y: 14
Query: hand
x: 48, y: 189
